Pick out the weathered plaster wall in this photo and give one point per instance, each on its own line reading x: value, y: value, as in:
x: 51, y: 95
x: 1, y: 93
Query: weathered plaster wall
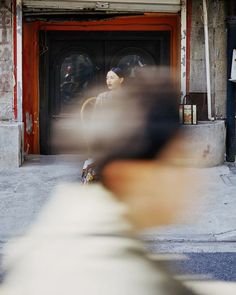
x: 218, y: 43
x: 6, y: 62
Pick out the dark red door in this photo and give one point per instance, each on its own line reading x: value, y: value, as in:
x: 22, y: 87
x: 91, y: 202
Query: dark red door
x: 74, y: 66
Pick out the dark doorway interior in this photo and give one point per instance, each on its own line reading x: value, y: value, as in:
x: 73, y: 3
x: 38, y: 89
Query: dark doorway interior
x: 73, y: 66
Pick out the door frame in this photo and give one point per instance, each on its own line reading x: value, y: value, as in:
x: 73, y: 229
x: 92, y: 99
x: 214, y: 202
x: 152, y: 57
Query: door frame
x: 31, y: 57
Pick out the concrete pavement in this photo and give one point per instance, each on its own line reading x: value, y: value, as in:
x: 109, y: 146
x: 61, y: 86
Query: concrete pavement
x: 23, y: 192
x: 213, y: 219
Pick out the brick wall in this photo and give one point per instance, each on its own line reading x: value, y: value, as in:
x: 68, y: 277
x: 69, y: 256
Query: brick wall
x: 6, y: 62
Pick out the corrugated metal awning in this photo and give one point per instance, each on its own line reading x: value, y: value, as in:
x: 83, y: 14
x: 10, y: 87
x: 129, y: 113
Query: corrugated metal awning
x: 37, y: 7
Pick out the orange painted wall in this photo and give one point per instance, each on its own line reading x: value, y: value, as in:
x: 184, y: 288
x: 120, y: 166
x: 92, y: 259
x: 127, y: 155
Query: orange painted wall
x: 147, y: 22
x: 31, y: 87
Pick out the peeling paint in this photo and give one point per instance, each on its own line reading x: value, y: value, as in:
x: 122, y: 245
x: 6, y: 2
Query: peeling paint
x: 28, y: 123
x: 19, y: 12
x: 183, y: 60
x: 183, y: 35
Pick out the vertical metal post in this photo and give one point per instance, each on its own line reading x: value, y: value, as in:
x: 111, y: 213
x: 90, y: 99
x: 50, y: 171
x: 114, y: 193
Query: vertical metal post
x: 183, y: 46
x: 207, y: 58
x: 19, y: 60
x: 230, y: 120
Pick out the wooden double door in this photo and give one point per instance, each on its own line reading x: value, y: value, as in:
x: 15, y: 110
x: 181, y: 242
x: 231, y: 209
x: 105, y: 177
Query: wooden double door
x: 73, y: 66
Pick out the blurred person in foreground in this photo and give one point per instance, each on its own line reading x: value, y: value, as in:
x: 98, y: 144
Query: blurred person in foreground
x: 84, y: 242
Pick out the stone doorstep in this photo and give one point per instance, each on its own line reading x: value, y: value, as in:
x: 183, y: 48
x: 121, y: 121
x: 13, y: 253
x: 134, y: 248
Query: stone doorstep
x: 208, y: 152
x: 11, y: 144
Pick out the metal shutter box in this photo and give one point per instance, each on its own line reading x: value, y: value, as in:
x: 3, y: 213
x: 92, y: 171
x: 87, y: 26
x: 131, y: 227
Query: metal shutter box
x: 37, y: 7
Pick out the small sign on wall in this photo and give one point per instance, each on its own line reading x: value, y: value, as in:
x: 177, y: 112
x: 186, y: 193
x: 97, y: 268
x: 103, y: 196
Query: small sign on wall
x: 233, y: 67
x: 187, y: 113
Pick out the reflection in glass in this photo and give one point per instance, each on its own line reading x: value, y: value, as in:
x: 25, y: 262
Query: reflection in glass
x: 76, y: 74
x: 130, y: 63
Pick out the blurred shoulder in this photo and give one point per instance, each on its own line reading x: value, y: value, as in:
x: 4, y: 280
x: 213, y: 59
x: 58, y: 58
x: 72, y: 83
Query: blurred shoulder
x: 77, y: 193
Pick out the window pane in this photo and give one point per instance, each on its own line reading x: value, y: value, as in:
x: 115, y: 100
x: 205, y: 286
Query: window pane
x: 76, y: 75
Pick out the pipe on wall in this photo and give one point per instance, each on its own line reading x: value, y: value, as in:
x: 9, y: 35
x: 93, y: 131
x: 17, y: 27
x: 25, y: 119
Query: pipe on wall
x: 207, y: 58
x: 19, y: 77
x: 183, y: 47
x: 188, y: 38
x: 230, y: 120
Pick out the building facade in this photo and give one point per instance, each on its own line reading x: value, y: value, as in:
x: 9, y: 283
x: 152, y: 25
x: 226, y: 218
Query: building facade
x: 52, y: 52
